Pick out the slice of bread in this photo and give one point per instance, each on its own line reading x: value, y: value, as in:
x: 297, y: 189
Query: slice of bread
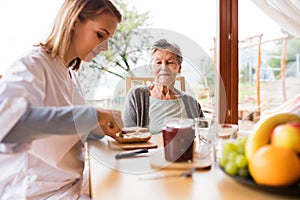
x: 133, y: 137
x: 134, y: 129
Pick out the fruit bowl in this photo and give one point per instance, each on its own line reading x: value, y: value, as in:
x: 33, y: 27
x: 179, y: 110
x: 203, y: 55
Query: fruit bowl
x: 293, y: 190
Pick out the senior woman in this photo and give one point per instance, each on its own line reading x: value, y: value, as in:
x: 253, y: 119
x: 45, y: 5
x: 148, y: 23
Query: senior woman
x: 149, y: 106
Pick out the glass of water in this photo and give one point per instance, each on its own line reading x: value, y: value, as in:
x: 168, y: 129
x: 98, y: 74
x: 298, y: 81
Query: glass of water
x: 204, y: 139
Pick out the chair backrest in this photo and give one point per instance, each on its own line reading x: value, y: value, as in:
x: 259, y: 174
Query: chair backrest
x: 132, y: 80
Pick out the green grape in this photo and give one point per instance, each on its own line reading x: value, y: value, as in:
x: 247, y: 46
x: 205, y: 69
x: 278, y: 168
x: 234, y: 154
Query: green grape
x: 231, y: 168
x: 240, y: 161
x: 241, y: 142
x: 243, y: 172
x: 240, y: 145
x: 228, y: 147
x: 240, y: 150
x: 223, y: 161
x: 232, y: 155
x: 233, y: 158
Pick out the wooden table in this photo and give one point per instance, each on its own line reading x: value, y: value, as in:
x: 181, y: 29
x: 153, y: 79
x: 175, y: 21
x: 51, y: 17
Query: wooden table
x: 113, y: 179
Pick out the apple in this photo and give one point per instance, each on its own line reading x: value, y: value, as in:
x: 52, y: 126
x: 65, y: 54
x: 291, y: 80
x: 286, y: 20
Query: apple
x: 287, y: 135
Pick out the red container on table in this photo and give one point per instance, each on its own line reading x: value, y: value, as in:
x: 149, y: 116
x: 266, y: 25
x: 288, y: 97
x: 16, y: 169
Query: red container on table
x: 178, y: 140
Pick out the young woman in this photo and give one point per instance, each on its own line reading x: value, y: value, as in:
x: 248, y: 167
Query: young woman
x: 43, y: 120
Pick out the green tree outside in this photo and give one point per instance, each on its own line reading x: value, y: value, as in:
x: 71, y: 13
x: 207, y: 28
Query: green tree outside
x: 125, y: 49
x: 293, y: 48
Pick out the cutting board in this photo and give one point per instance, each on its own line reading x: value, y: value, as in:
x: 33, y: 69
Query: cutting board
x: 131, y: 146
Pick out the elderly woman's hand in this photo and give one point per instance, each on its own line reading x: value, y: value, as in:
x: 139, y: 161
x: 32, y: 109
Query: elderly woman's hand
x: 110, y: 121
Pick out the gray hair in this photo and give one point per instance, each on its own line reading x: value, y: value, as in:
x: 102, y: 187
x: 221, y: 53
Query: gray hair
x: 172, y: 47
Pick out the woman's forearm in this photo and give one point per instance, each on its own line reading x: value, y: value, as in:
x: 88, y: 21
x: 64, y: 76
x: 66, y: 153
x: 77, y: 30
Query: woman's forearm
x: 38, y: 122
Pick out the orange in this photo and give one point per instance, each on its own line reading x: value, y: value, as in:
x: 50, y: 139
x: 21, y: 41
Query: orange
x: 275, y: 166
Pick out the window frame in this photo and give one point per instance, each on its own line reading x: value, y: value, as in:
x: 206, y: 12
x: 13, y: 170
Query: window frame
x: 227, y: 61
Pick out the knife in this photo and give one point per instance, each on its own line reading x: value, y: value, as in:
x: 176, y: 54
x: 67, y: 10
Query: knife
x: 130, y: 154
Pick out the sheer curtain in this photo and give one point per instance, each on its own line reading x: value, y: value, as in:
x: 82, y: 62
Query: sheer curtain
x: 285, y: 12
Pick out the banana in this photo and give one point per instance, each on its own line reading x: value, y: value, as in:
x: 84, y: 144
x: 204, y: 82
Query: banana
x: 261, y: 133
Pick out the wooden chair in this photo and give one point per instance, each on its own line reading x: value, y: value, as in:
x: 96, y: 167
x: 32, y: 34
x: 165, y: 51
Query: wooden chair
x: 132, y: 80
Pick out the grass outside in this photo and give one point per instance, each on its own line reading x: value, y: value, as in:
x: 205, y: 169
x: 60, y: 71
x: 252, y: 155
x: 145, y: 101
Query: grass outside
x: 271, y: 94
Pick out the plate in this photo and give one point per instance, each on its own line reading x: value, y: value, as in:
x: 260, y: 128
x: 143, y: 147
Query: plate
x: 158, y: 161
x: 293, y: 190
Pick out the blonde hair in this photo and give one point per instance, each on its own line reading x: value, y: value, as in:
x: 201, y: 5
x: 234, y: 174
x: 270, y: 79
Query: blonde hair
x: 58, y: 41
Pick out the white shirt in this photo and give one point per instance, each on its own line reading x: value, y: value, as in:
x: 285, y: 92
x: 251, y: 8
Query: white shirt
x: 160, y: 109
x: 52, y: 167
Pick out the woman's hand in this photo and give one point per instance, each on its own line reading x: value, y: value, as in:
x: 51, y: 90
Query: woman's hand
x: 110, y: 121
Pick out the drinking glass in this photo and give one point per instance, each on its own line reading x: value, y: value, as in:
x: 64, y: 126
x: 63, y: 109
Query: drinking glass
x: 203, y: 137
x: 226, y: 132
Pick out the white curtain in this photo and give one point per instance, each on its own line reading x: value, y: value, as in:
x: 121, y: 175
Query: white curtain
x: 285, y: 12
